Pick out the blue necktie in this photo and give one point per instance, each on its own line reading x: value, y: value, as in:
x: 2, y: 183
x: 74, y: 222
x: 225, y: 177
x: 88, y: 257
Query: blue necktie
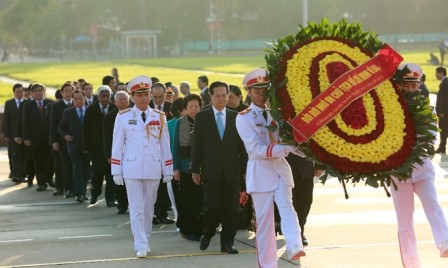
x: 220, y: 125
x: 81, y: 116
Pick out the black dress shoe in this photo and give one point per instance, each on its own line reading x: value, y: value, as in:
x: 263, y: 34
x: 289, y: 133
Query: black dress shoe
x: 204, y: 243
x: 93, y: 199
x: 121, y: 211
x: 166, y: 220
x: 30, y: 184
x: 58, y: 192
x: 79, y: 199
x: 111, y: 204
x: 51, y: 184
x: 155, y: 220
x: 230, y: 249
x: 41, y: 188
x: 85, y: 197
x: 69, y: 194
x: 304, y: 241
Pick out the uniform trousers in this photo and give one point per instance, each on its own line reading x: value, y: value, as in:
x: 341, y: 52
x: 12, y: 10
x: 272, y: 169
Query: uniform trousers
x: 142, y: 195
x: 422, y: 183
x: 264, y: 211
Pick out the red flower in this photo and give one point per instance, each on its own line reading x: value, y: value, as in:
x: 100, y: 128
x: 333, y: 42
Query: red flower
x: 244, y: 197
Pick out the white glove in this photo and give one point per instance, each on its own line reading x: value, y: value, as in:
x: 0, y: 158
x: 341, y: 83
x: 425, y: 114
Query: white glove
x: 118, y: 179
x: 294, y: 150
x: 167, y: 178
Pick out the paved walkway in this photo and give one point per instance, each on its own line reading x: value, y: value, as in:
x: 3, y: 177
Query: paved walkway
x: 40, y: 230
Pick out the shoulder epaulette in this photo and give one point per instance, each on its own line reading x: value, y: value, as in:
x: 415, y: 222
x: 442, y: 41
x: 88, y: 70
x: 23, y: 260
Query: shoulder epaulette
x: 124, y: 111
x: 245, y: 111
x: 157, y: 111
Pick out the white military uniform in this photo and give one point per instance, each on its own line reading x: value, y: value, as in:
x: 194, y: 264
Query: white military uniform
x: 141, y: 154
x: 268, y: 180
x: 422, y: 183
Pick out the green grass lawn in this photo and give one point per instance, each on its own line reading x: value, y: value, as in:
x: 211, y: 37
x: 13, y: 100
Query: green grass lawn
x: 5, y: 92
x: 225, y: 68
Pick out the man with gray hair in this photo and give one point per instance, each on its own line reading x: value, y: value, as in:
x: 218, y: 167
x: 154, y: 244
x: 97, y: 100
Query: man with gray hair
x: 184, y: 88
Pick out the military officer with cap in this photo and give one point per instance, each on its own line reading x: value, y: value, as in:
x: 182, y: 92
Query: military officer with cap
x: 140, y: 157
x: 268, y: 175
x: 422, y: 183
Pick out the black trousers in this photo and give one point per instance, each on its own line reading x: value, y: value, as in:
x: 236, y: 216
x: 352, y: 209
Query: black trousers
x: 99, y: 164
x: 189, y: 200
x: 302, y: 193
x: 58, y: 175
x: 443, y: 125
x: 79, y: 162
x: 67, y: 167
x: 16, y: 160
x: 30, y: 171
x: 163, y: 202
x: 42, y: 162
x: 221, y: 201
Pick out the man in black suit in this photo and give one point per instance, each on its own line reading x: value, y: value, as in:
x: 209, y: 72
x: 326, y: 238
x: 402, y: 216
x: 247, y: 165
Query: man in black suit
x: 218, y: 156
x: 203, y: 86
x: 121, y: 103
x: 35, y: 134
x: 57, y: 161
x: 9, y: 129
x: 28, y: 159
x: 87, y: 89
x: 442, y: 108
x: 158, y: 100
x: 71, y: 130
x: 57, y: 142
x: 93, y: 135
x: 163, y: 203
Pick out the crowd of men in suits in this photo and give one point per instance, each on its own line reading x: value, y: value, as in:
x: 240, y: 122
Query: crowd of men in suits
x: 66, y: 144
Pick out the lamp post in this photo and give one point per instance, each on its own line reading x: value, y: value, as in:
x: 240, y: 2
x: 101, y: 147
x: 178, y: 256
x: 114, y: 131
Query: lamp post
x: 211, y: 25
x: 304, y: 12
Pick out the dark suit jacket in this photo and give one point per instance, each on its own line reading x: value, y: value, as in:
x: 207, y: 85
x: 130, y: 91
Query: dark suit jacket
x: 166, y: 109
x: 71, y: 125
x: 212, y: 157
x: 93, y: 129
x: 94, y: 99
x: 206, y: 97
x: 19, y: 132
x: 10, y: 117
x: 108, y: 131
x: 442, y: 103
x: 55, y: 118
x: 302, y: 168
x: 34, y: 123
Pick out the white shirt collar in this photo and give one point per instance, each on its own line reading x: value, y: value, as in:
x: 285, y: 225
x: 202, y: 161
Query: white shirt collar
x: 215, y: 111
x: 256, y: 108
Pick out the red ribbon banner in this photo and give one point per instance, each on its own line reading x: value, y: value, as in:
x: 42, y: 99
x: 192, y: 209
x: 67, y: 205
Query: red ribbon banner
x: 343, y: 91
